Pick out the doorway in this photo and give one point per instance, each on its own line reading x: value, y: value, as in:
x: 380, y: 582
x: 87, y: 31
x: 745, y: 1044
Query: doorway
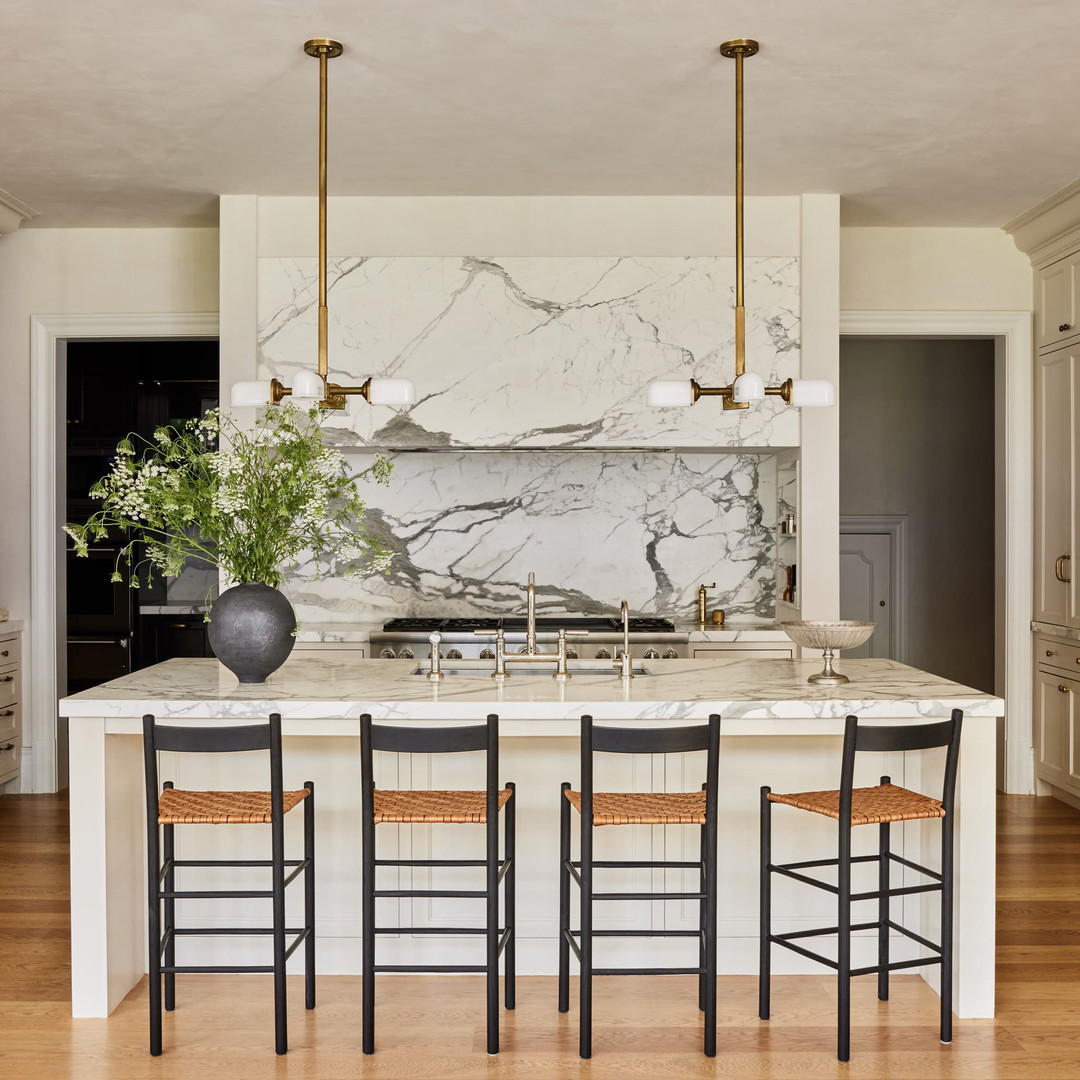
x: 49, y: 340
x: 917, y: 441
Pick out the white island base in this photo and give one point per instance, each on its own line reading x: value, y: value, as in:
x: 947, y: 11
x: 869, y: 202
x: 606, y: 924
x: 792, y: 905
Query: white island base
x: 776, y: 730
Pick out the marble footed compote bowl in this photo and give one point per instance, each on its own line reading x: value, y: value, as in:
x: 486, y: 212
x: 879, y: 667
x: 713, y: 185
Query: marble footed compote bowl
x: 829, y: 635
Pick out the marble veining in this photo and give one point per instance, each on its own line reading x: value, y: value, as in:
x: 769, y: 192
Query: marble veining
x: 467, y: 529
x: 317, y: 688
x: 538, y: 351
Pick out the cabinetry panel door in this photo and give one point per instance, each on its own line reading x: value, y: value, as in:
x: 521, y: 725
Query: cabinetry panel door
x: 1053, y: 723
x: 1053, y: 496
x: 1058, y: 301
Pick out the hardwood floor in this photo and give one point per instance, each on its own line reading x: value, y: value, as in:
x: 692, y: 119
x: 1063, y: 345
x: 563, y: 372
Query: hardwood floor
x: 431, y: 1027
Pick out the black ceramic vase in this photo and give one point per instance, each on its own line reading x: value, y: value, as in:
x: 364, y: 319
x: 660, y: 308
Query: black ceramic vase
x: 251, y: 630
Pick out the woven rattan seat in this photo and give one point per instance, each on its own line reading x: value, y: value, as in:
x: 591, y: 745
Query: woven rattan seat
x: 869, y: 806
x: 433, y: 807
x: 644, y: 807
x: 177, y: 807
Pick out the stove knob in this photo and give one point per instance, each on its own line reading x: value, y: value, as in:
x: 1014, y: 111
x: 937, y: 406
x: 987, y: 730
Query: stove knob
x: 487, y: 654
x: 454, y: 654
x: 387, y: 654
x: 406, y: 654
x: 523, y: 649
x: 603, y: 654
x: 571, y: 654
x: 651, y: 654
x: 670, y: 654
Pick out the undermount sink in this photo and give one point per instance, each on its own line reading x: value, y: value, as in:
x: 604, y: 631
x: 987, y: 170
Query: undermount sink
x: 479, y: 668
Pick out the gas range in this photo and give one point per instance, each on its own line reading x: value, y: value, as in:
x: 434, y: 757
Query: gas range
x: 650, y: 638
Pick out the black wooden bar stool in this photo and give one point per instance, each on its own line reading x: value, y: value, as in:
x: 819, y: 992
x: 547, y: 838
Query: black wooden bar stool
x: 168, y: 807
x: 432, y: 808
x: 880, y: 806
x: 639, y: 808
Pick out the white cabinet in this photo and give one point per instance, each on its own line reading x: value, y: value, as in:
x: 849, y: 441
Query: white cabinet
x: 1057, y: 714
x: 1057, y: 495
x: 1057, y: 301
x: 10, y: 707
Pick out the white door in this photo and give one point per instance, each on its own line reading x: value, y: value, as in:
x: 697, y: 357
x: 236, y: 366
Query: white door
x: 865, y: 585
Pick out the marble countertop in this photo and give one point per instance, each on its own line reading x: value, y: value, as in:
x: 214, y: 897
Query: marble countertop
x: 11, y: 626
x: 318, y: 688
x: 359, y: 633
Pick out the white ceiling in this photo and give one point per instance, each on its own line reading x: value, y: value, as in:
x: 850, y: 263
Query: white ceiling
x: 140, y: 112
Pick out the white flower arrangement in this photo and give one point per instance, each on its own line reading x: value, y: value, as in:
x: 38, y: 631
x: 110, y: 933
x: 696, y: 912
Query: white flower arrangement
x: 251, y: 508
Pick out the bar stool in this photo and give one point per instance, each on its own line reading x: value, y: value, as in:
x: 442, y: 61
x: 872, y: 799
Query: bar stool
x: 879, y: 805
x: 381, y: 806
x: 169, y: 807
x: 639, y: 808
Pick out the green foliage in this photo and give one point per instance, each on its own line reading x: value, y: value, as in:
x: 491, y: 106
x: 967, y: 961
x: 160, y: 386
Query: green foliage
x: 251, y: 508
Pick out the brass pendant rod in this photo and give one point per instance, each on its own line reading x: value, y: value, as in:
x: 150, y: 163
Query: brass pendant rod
x: 740, y: 310
x: 323, y: 324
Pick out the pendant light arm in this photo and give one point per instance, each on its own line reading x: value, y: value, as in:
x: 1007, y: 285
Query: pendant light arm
x: 740, y: 309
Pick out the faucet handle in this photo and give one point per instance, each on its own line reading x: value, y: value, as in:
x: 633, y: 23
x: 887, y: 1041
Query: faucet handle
x: 712, y: 586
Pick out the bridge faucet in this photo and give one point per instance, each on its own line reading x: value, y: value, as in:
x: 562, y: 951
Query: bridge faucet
x: 436, y: 672
x: 530, y: 615
x: 627, y: 668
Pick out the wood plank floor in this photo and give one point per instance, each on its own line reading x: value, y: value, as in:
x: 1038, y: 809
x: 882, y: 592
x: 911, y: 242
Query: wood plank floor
x: 431, y: 1028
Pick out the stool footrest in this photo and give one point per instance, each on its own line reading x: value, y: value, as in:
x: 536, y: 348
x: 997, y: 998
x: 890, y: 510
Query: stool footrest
x: 640, y: 933
x: 642, y: 864
x: 649, y: 971
x: 648, y: 896
x: 455, y: 893
x: 431, y: 862
x: 420, y: 931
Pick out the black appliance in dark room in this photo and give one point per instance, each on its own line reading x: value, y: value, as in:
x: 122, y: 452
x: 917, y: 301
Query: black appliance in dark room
x: 115, y: 389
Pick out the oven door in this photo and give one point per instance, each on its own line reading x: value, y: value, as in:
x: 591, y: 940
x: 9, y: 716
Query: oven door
x: 95, y: 603
x: 94, y: 659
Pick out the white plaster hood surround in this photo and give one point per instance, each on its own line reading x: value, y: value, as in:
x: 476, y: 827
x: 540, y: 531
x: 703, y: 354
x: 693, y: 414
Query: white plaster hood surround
x: 918, y: 113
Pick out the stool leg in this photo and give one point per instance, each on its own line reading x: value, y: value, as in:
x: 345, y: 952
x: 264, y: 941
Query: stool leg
x: 710, y: 936
x: 585, y: 994
x: 703, y: 916
x: 843, y: 946
x: 946, y: 928
x: 765, y: 929
x: 277, y: 834
x: 564, y: 899
x: 153, y: 900
x: 883, y: 909
x: 309, y: 896
x: 367, y: 919
x: 510, y: 897
x: 492, y: 832
x: 169, y: 904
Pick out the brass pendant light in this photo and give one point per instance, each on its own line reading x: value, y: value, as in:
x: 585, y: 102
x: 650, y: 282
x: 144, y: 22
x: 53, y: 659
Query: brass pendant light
x: 745, y: 386
x: 315, y: 385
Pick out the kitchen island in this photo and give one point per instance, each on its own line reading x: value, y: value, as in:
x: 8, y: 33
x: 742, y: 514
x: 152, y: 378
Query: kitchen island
x: 777, y: 729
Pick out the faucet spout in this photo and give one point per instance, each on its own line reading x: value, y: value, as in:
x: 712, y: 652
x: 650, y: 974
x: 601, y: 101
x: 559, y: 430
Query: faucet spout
x: 530, y: 628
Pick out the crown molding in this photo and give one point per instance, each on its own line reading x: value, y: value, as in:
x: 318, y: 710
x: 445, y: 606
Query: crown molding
x: 13, y: 212
x: 1043, y: 223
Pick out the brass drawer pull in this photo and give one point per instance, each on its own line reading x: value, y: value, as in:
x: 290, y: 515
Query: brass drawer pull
x: 1059, y: 568
x: 1051, y: 652
x: 1063, y: 327
x: 1065, y: 689
x: 7, y: 746
x: 4, y: 653
x: 8, y: 712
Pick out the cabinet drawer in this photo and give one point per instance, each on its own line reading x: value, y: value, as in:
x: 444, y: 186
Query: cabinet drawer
x: 9, y: 652
x: 1061, y: 655
x: 10, y: 722
x: 743, y: 651
x: 9, y: 687
x: 9, y: 758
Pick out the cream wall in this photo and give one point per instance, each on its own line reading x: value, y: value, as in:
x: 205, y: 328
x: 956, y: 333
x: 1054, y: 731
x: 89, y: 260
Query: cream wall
x: 69, y: 272
x: 932, y: 270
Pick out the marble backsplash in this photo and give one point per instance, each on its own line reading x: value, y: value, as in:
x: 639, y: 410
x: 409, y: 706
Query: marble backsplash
x: 595, y: 528
x: 529, y: 351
